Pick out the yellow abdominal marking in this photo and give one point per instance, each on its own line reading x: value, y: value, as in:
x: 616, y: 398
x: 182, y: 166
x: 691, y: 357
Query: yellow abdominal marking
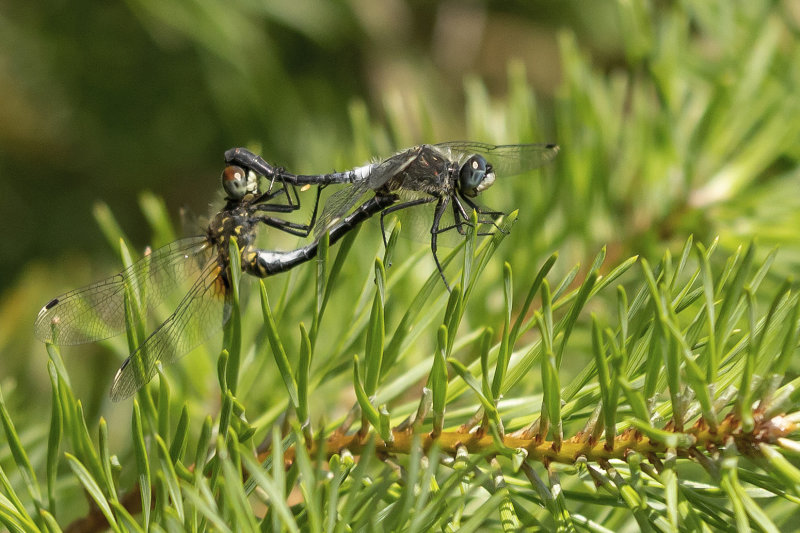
x: 220, y: 286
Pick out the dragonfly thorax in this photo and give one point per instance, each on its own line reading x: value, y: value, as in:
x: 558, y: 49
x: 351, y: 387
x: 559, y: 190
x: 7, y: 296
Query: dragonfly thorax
x: 236, y: 222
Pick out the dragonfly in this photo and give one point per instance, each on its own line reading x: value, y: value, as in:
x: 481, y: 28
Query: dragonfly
x: 449, y: 175
x: 201, y: 263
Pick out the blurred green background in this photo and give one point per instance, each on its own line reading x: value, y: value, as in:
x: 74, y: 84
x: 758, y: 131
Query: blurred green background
x: 674, y: 118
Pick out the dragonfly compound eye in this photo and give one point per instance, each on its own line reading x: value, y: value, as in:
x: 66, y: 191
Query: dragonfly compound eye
x: 234, y: 181
x: 475, y: 175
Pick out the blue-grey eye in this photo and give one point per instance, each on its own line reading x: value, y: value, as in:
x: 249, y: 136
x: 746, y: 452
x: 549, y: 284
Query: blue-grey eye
x: 475, y: 175
x: 234, y: 181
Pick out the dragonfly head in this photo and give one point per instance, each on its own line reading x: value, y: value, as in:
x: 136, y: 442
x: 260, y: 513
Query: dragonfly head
x: 475, y: 175
x: 237, y: 182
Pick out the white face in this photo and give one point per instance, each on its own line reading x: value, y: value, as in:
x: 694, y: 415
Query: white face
x: 252, y: 182
x: 487, y: 182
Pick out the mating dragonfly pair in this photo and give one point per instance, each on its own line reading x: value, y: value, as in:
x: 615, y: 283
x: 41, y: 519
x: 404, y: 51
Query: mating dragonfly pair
x: 449, y: 175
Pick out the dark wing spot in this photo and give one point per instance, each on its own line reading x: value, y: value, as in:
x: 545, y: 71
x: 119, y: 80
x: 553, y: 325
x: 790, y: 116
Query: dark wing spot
x: 51, y: 303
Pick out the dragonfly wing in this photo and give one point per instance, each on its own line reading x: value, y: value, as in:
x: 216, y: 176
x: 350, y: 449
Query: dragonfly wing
x: 371, y: 177
x: 506, y: 159
x: 97, y: 311
x: 203, y: 311
x: 338, y: 206
x: 390, y: 167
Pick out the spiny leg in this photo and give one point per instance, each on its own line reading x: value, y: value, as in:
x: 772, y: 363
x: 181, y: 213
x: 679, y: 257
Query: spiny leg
x: 398, y: 207
x: 460, y: 217
x: 441, y: 206
x: 481, y: 211
x: 269, y: 194
x: 293, y: 228
x: 279, y: 176
x: 316, y: 207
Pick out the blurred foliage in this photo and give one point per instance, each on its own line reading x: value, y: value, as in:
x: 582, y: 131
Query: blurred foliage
x: 674, y: 118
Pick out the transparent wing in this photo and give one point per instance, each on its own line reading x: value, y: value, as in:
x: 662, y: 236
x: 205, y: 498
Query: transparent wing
x: 338, y: 205
x: 203, y: 311
x: 507, y: 159
x: 391, y: 166
x: 97, y: 311
x: 342, y: 201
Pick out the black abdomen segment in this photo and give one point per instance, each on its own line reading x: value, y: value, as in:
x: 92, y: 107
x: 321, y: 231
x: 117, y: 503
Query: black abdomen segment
x: 245, y: 158
x: 263, y: 263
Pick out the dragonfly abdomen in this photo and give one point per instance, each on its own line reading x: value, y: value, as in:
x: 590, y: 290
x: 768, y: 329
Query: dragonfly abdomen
x: 263, y: 263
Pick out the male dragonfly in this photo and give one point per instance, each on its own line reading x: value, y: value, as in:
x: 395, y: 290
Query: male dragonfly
x: 97, y: 311
x: 449, y: 174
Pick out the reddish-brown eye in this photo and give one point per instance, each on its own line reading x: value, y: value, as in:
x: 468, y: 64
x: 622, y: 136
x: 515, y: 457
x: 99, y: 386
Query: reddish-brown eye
x: 234, y: 181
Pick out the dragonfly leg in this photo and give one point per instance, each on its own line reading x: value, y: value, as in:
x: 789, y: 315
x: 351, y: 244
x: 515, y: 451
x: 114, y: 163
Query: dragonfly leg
x: 291, y: 203
x: 441, y: 206
x: 255, y: 163
x: 276, y: 208
x: 482, y: 211
x: 460, y: 217
x: 398, y: 207
x: 294, y: 191
x: 269, y: 194
x: 316, y: 206
x: 285, y: 179
x: 301, y: 230
x: 293, y: 228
